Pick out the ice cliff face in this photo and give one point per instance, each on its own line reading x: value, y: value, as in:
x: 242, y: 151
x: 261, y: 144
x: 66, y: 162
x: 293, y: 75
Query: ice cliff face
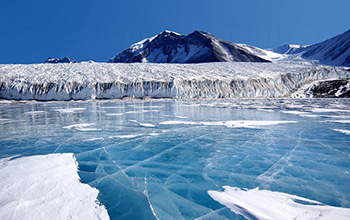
x: 211, y: 80
x: 197, y: 47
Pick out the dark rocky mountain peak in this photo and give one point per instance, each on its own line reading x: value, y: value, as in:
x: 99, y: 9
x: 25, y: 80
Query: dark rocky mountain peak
x: 197, y: 47
x: 57, y: 60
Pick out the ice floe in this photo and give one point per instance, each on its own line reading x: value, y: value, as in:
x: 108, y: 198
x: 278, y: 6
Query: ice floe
x: 46, y: 187
x: 264, y: 204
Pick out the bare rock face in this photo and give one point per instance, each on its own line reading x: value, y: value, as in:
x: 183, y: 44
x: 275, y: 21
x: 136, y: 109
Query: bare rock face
x: 331, y: 89
x: 197, y: 47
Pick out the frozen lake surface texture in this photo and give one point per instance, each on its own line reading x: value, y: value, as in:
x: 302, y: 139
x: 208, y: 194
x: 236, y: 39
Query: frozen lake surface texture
x: 220, y: 159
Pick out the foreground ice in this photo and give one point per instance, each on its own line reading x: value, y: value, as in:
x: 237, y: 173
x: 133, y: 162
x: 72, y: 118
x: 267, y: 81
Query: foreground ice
x: 264, y: 204
x: 46, y: 187
x: 158, y: 159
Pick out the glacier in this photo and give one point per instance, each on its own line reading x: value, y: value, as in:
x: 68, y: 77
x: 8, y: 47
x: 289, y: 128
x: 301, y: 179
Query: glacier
x: 84, y: 81
x: 157, y: 159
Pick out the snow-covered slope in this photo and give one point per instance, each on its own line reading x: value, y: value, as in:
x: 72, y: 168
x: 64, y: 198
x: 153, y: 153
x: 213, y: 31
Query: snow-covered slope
x: 197, y: 47
x: 265, y: 54
x: 139, y: 80
x: 334, y: 51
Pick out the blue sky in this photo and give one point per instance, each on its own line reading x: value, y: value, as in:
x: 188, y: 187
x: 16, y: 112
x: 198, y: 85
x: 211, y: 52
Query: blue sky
x: 33, y: 30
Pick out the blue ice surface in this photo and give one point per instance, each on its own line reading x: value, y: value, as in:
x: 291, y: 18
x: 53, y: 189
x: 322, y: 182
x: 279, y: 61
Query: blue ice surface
x: 165, y: 171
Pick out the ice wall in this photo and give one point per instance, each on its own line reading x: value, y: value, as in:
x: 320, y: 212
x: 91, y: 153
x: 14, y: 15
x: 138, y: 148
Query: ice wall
x: 211, y: 80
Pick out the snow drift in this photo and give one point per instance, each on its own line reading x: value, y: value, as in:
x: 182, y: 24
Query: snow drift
x: 46, y: 187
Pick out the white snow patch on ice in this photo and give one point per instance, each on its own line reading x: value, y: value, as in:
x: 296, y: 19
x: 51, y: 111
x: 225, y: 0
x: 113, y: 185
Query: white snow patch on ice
x: 339, y: 121
x: 82, y: 127
x: 147, y: 125
x: 126, y: 136
x: 265, y: 204
x: 46, y: 187
x: 329, y: 110
x: 182, y: 117
x: 342, y: 131
x: 229, y: 124
x: 77, y: 126
x: 88, y: 129
x: 302, y: 114
x: 179, y: 122
x: 94, y: 139
x: 142, y: 124
x: 153, y: 134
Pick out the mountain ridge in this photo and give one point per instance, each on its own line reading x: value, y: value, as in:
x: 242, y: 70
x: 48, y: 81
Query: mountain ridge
x: 196, y: 47
x: 334, y: 51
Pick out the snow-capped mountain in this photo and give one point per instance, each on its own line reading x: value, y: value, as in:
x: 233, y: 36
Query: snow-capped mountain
x: 290, y: 49
x: 197, y: 47
x: 334, y: 51
x: 57, y: 60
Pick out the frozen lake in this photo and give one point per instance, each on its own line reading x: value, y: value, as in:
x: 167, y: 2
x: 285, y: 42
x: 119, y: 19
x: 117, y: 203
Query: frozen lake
x: 158, y: 159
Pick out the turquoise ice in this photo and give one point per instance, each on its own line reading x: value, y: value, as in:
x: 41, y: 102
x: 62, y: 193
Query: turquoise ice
x: 157, y: 159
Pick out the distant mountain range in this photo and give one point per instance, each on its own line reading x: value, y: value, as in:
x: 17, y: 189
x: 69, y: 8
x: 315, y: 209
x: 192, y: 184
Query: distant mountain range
x: 200, y: 47
x: 203, y: 47
x: 334, y: 51
x: 57, y: 60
